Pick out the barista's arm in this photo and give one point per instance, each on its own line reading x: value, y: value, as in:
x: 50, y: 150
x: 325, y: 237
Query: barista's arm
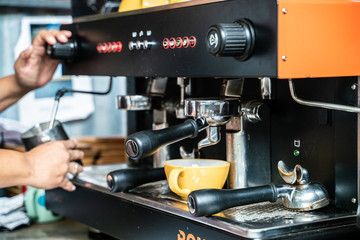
x: 10, y: 92
x: 33, y: 68
x: 43, y: 167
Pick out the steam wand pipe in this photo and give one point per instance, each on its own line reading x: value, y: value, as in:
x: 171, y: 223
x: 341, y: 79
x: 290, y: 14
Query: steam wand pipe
x: 60, y: 93
x: 331, y: 106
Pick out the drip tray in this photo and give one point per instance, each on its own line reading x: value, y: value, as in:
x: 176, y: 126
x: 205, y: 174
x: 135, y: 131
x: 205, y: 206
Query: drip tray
x: 258, y: 219
x: 252, y: 221
x: 264, y: 212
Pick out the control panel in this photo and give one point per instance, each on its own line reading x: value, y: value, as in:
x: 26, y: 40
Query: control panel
x: 193, y: 41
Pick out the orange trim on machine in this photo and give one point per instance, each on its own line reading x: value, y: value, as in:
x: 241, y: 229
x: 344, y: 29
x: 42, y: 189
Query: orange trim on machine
x: 318, y: 38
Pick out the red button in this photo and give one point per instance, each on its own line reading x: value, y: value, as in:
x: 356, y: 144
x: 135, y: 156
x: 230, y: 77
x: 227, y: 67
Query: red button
x: 110, y: 47
x: 165, y: 43
x: 192, y: 41
x: 119, y: 46
x: 105, y: 48
x: 179, y: 42
x: 172, y: 43
x: 99, y: 48
x: 186, y: 42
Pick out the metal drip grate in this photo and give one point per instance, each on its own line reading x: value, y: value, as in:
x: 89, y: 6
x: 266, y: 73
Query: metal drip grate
x: 260, y: 212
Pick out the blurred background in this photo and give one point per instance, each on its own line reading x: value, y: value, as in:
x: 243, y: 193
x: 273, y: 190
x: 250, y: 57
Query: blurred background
x: 100, y: 117
x: 92, y: 119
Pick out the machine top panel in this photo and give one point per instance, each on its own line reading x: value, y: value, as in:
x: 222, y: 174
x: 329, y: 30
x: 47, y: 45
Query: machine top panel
x: 172, y: 42
x: 234, y: 38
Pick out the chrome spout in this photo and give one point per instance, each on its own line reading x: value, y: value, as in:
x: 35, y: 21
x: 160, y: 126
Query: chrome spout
x: 213, y: 136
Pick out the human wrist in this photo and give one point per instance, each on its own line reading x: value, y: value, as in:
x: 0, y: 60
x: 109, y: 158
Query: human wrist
x: 18, y: 86
x: 29, y: 173
x: 16, y: 172
x: 15, y: 87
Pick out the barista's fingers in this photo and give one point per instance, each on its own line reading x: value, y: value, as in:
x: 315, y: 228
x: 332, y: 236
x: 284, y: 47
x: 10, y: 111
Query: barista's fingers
x: 70, y: 144
x: 75, y: 168
x: 75, y: 155
x: 51, y: 37
x: 67, y: 185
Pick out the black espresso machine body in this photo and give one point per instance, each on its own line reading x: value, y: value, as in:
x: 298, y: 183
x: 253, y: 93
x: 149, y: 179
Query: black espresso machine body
x: 175, y: 44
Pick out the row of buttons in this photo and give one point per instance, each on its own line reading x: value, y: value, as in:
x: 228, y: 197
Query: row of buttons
x: 113, y: 47
x: 139, y: 45
x: 109, y: 47
x: 179, y: 42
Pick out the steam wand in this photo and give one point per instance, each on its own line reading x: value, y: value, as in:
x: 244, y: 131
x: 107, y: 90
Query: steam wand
x: 60, y: 93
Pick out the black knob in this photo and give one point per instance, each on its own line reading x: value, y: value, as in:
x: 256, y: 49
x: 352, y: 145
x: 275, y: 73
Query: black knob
x: 231, y: 39
x: 63, y: 51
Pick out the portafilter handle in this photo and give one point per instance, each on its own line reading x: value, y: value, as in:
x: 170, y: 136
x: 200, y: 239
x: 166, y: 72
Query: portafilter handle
x: 303, y: 197
x: 146, y: 143
x: 206, y: 202
x: 299, y: 195
x: 125, y: 179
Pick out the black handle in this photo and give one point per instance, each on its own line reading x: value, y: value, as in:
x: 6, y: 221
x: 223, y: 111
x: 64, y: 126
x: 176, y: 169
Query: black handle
x: 125, y: 179
x: 206, y: 202
x: 146, y: 143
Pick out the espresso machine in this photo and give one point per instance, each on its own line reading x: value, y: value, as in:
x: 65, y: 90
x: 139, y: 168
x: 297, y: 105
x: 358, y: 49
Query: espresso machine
x: 270, y: 86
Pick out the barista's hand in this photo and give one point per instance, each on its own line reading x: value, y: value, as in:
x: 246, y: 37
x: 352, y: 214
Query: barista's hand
x: 34, y: 68
x: 49, y: 163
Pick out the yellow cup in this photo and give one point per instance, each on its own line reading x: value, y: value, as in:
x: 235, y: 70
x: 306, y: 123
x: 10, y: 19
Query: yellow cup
x: 129, y: 5
x: 187, y: 175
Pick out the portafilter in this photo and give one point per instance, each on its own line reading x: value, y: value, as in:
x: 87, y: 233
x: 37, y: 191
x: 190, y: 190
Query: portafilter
x: 299, y: 194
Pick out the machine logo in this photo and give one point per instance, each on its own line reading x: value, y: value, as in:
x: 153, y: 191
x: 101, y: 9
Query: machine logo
x: 214, y: 39
x: 183, y: 236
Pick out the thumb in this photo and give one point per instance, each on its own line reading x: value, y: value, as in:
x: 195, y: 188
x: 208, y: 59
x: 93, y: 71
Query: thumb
x: 27, y: 52
x: 25, y: 55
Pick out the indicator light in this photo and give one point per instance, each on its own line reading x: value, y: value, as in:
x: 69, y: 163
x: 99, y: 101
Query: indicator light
x: 296, y: 153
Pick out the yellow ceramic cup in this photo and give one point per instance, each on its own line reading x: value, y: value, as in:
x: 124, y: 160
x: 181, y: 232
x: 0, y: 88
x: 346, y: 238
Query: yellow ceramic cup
x: 187, y: 175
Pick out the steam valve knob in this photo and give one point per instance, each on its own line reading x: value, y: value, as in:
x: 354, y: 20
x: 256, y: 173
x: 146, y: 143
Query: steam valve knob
x: 255, y: 111
x: 231, y: 39
x: 63, y: 51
